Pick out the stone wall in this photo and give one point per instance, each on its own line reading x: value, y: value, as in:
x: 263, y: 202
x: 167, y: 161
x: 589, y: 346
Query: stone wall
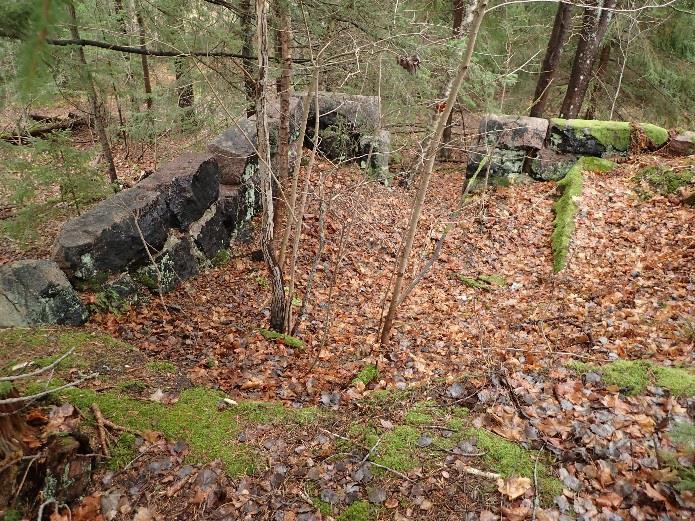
x: 522, y: 148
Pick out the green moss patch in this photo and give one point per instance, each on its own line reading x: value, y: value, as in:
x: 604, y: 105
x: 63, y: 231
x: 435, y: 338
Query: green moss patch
x: 195, y: 419
x: 510, y: 459
x: 358, y: 511
x: 367, y: 374
x: 661, y: 180
x: 159, y: 366
x: 633, y: 376
x: 288, y: 340
x: 565, y: 207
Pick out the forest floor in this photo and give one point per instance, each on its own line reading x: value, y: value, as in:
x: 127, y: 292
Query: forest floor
x: 531, y: 395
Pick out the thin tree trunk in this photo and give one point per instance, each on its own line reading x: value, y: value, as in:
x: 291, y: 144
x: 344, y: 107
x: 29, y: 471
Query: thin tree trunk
x: 278, y: 310
x: 600, y: 74
x: 558, y: 39
x: 246, y: 22
x: 430, y: 157
x: 458, y: 11
x: 143, y: 59
x: 184, y: 87
x: 283, y: 37
x: 594, y: 26
x: 97, y: 109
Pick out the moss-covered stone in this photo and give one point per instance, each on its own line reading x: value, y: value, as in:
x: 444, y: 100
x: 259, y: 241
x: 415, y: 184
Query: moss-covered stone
x: 288, y: 340
x: 590, y: 137
x: 633, y: 376
x: 657, y: 136
x: 565, y: 207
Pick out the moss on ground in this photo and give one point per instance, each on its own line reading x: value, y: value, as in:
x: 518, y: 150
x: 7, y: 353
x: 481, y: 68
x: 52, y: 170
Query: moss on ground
x: 662, y: 180
x: 633, y: 376
x: 367, y: 374
x: 288, y: 340
x: 162, y: 366
x: 123, y: 452
x: 195, y: 419
x: 358, y: 511
x: 683, y: 435
x: 510, y: 459
x: 5, y: 388
x: 565, y: 207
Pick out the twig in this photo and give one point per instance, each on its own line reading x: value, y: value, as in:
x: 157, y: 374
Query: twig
x: 399, y: 474
x: 100, y: 428
x: 38, y: 371
x: 371, y: 451
x: 26, y: 472
x: 114, y: 426
x: 536, y: 500
x: 477, y: 472
x: 20, y: 399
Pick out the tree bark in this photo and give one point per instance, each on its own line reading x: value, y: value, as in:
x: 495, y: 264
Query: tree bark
x: 97, y: 109
x: 600, y: 74
x: 283, y: 38
x: 458, y: 11
x: 594, y: 26
x: 143, y: 59
x: 278, y: 310
x: 246, y: 21
x: 184, y: 87
x: 429, y: 157
x: 551, y: 60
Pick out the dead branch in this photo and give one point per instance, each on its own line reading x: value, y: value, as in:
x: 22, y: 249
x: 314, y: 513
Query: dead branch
x: 101, y: 429
x: 38, y: 371
x: 32, y: 397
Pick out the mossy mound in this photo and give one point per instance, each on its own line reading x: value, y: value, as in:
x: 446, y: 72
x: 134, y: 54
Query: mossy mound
x: 367, y: 375
x: 659, y: 179
x: 288, y: 340
x: 565, y: 207
x: 633, y: 376
x: 195, y: 418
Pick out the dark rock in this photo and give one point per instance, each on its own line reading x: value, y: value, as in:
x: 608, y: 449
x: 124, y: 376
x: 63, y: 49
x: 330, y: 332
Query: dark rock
x: 375, y: 153
x: 235, y: 151
x: 68, y: 471
x: 105, y: 239
x: 549, y: 165
x: 37, y: 292
x: 190, y: 184
x: 177, y: 262
x: 212, y: 234
x: 513, y: 132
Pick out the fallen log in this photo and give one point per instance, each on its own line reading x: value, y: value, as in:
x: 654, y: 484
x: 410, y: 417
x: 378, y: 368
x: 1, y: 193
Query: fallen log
x: 52, y: 124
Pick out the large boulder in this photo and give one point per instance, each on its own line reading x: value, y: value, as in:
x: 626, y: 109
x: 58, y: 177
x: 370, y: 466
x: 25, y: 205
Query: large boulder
x: 682, y: 144
x: 213, y: 232
x: 513, y: 132
x: 190, y: 184
x: 111, y: 236
x: 506, y: 144
x: 603, y: 138
x: 37, y: 292
x: 235, y: 151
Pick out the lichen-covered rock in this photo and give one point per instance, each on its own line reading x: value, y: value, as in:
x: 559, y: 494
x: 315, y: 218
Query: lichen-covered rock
x: 223, y: 220
x: 499, y: 162
x: 549, y: 165
x: 375, y: 152
x: 37, y: 292
x: 107, y: 238
x: 513, y: 132
x: 177, y: 262
x: 190, y: 184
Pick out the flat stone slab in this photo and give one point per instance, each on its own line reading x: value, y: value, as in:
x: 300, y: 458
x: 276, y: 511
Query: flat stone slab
x: 37, y: 292
x: 681, y: 145
x: 190, y: 184
x: 513, y: 131
x: 106, y: 239
x: 235, y: 151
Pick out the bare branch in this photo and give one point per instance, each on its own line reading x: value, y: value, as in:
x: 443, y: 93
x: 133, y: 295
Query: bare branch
x: 38, y: 371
